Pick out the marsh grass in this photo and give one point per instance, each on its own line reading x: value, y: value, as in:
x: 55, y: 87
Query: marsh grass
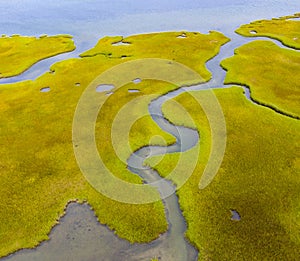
x: 193, y: 51
x: 282, y: 29
x: 270, y: 72
x: 259, y: 177
x: 39, y: 173
x: 18, y: 53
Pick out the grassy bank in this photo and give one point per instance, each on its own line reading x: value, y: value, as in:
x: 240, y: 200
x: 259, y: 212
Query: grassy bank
x: 270, y: 72
x: 18, y: 53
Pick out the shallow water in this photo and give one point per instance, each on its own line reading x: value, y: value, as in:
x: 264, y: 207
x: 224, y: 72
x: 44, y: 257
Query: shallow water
x: 175, y: 246
x: 79, y: 236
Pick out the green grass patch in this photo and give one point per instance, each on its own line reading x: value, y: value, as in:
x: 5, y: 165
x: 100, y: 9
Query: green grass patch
x: 259, y: 178
x: 270, y: 72
x: 39, y: 173
x: 18, y: 53
x: 282, y: 29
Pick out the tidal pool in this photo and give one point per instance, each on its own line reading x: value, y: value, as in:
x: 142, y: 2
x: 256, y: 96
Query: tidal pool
x: 235, y: 215
x: 45, y: 89
x: 133, y: 90
x: 137, y: 80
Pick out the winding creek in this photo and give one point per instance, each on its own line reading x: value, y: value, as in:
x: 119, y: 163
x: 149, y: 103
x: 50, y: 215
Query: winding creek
x: 80, y: 237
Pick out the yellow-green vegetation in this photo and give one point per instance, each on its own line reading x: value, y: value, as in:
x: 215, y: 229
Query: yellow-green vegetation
x: 117, y: 139
x: 129, y: 135
x: 193, y: 50
x: 259, y: 178
x: 39, y: 174
x: 283, y: 29
x: 270, y: 72
x: 18, y: 53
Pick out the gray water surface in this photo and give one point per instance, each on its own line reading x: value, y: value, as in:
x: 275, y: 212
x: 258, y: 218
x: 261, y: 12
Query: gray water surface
x: 90, y: 20
x: 79, y: 236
